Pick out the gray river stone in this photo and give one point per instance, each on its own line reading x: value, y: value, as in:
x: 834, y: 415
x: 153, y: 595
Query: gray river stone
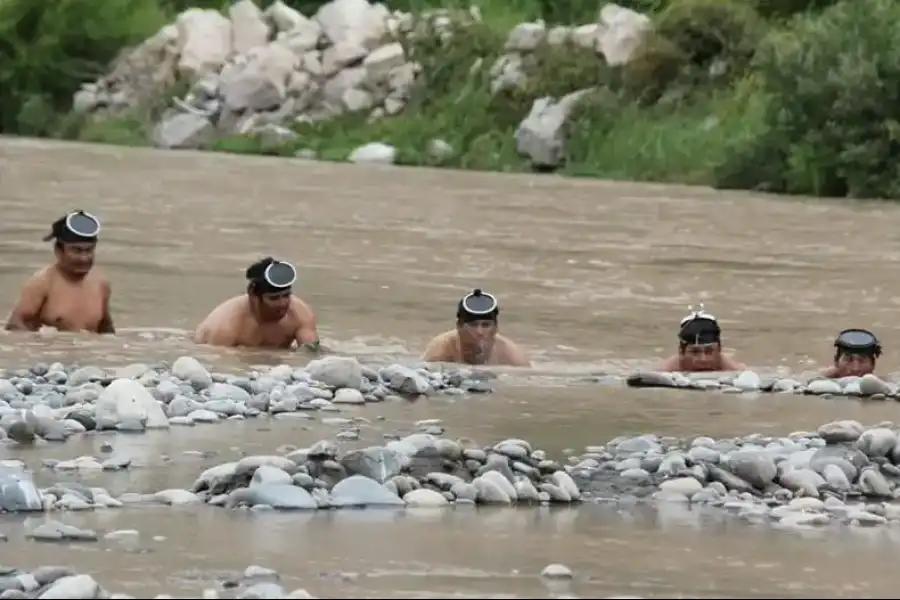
x: 375, y: 462
x: 284, y: 496
x: 357, y: 490
x: 18, y: 492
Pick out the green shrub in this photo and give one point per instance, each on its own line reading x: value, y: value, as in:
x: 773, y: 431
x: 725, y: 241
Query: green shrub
x: 779, y: 9
x: 174, y: 7
x: 707, y: 32
x: 654, y: 68
x: 832, y: 83
x: 49, y: 47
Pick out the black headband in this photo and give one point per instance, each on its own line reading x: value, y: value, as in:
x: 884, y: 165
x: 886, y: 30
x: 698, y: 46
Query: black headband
x: 270, y: 276
x: 75, y: 227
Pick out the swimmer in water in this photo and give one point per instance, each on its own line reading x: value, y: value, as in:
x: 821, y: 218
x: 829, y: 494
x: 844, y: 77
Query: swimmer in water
x: 269, y: 315
x: 700, y: 346
x: 856, y: 351
x: 70, y: 294
x: 475, y: 340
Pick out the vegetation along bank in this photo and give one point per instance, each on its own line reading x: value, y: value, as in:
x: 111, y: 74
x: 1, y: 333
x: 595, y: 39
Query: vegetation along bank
x: 792, y: 96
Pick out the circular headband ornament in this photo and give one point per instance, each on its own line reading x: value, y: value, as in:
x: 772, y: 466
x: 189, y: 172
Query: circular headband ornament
x: 280, y: 275
x: 479, y: 303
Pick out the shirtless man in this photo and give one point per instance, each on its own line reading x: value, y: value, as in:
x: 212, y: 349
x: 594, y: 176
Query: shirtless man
x: 70, y: 294
x: 475, y: 340
x: 700, y: 346
x: 856, y: 352
x: 267, y: 316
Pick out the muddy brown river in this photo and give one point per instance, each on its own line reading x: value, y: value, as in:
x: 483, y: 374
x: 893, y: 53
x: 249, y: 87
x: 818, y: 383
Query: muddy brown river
x: 592, y: 278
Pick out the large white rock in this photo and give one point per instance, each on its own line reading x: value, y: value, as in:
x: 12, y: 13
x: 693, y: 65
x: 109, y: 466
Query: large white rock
x: 354, y: 21
x: 248, y: 26
x: 261, y: 83
x: 204, y: 38
x: 128, y: 400
x: 283, y: 17
x: 374, y: 153
x: 73, y: 586
x: 621, y: 33
x: 541, y: 136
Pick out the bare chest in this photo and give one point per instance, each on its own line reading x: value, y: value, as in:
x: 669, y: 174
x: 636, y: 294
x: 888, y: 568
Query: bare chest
x: 74, y: 307
x: 275, y: 335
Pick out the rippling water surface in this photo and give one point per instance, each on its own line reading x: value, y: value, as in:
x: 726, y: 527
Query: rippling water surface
x: 592, y: 278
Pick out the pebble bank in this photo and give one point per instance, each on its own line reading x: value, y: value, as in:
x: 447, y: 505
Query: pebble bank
x: 255, y: 581
x: 869, y: 386
x: 51, y: 402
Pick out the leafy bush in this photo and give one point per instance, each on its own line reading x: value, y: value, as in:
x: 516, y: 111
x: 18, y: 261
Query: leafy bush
x: 49, y: 47
x: 778, y: 9
x: 707, y: 32
x: 695, y: 43
x: 833, y: 120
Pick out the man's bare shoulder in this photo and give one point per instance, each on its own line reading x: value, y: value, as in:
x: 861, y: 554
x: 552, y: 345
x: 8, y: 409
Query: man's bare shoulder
x: 302, y: 311
x: 39, y: 283
x: 228, y: 308
x: 42, y: 276
x: 443, y: 338
x: 440, y: 348
x: 505, y: 341
x: 97, y: 275
x: 511, y: 352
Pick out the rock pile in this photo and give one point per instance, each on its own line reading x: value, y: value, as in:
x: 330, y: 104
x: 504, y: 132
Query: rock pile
x: 52, y: 402
x: 842, y: 472
x: 256, y: 72
x: 419, y: 470
x: 541, y: 136
x: 616, y: 37
x: 253, y: 68
x: 869, y: 386
x: 63, y: 582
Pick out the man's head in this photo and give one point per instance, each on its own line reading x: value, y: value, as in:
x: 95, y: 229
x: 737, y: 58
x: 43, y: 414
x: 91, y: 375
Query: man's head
x: 856, y: 351
x: 700, y: 342
x: 75, y: 236
x: 269, y: 285
x: 476, y: 324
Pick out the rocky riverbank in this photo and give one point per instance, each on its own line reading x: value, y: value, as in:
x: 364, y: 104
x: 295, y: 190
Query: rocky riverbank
x: 841, y: 473
x: 255, y: 581
x: 869, y: 386
x: 62, y: 582
x: 49, y: 403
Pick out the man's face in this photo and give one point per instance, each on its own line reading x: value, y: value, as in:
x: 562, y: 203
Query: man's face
x: 76, y: 258
x: 857, y: 365
x: 701, y: 357
x: 477, y: 337
x: 275, y: 306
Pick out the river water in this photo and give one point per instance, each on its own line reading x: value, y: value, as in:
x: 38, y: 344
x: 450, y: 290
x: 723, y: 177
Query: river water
x: 592, y: 278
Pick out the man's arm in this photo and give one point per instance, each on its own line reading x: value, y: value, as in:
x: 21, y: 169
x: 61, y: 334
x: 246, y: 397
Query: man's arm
x: 106, y: 323
x: 26, y: 315
x: 307, y: 334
